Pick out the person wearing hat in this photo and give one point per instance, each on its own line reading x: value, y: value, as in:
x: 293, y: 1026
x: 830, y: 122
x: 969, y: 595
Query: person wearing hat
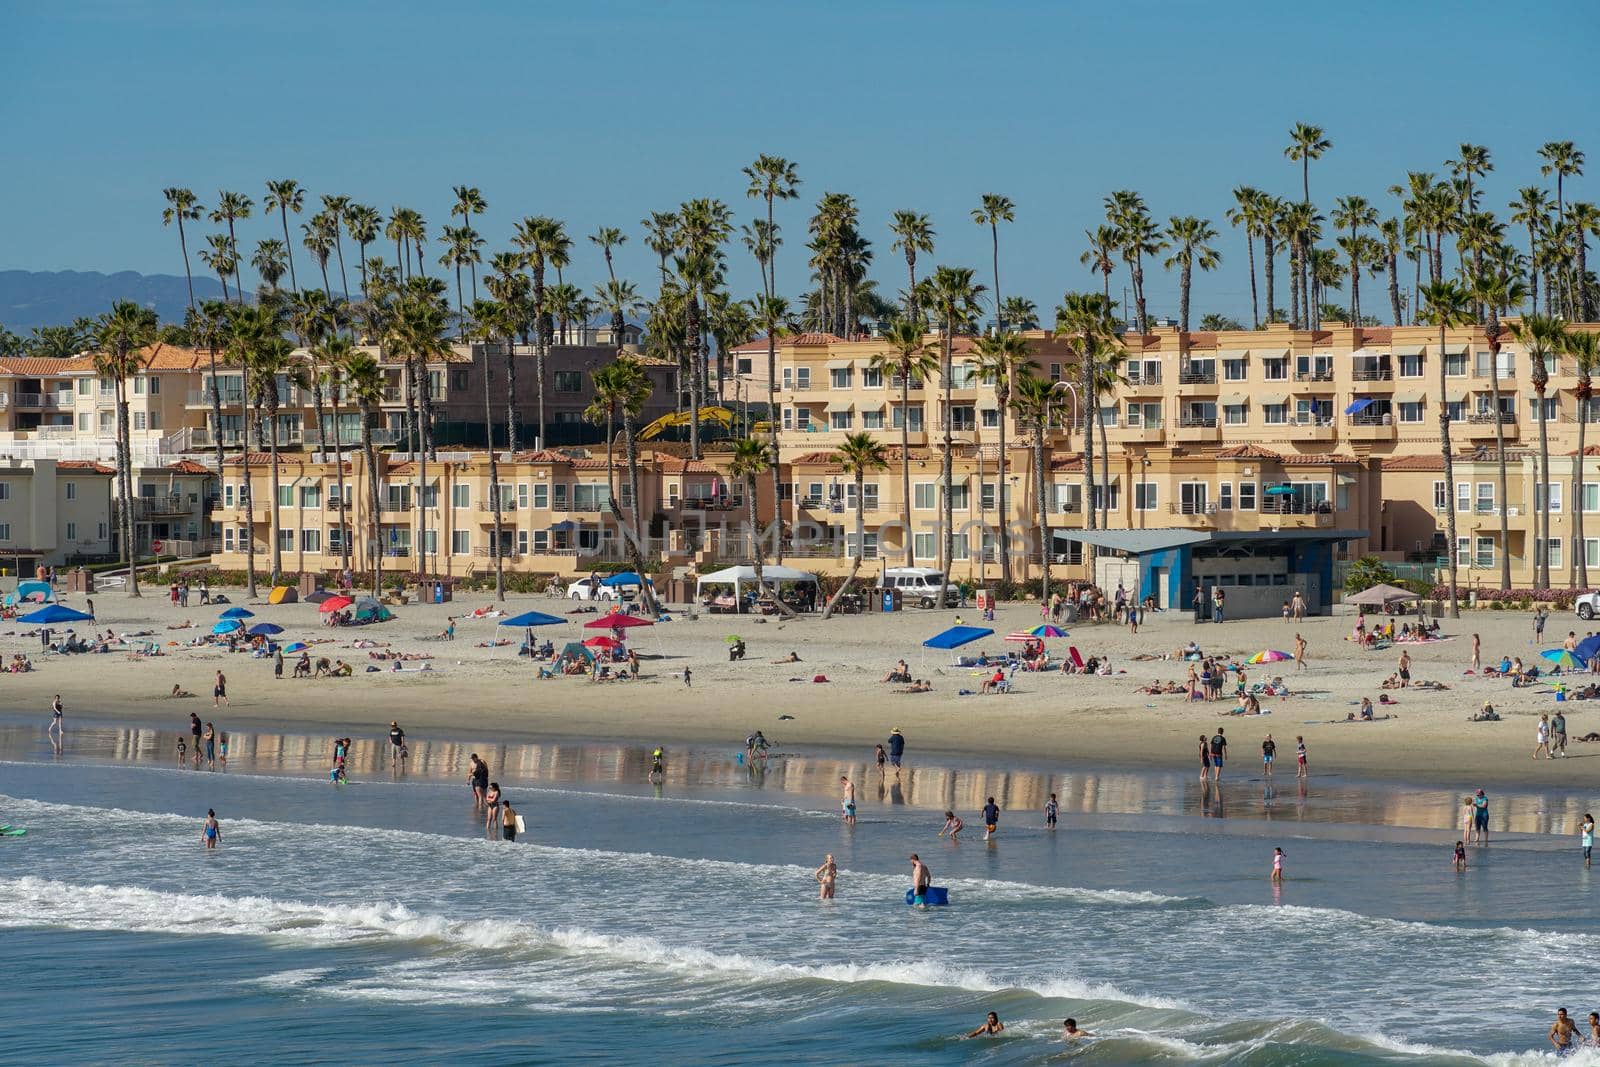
x: 897, y: 746
x: 397, y: 744
x: 1480, y: 817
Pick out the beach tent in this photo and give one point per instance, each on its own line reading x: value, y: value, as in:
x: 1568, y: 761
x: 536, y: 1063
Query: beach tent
x: 283, y: 594
x: 616, y: 621
x: 237, y: 613
x: 1381, y: 596
x: 227, y: 626
x: 743, y: 576
x: 56, y: 613
x: 1587, y: 648
x: 264, y: 629
x: 319, y: 596
x: 957, y: 636
x: 625, y: 578
x: 335, y: 603
x: 574, y: 648
x: 369, y: 610
x: 532, y: 618
x: 35, y: 591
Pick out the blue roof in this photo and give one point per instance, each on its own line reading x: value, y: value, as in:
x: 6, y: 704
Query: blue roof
x: 55, y: 613
x: 957, y: 636
x: 532, y: 618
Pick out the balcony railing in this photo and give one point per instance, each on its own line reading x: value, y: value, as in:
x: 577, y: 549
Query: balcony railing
x: 1372, y: 418
x: 205, y: 397
x: 164, y: 504
x: 1192, y: 507
x: 1197, y: 422
x: 1319, y: 374
x: 1151, y: 376
x: 1323, y: 421
x: 506, y: 504
x: 1487, y: 418
x: 1191, y: 376
x: 1290, y: 504
x: 1372, y: 374
x: 391, y: 505
x: 488, y: 552
x: 1143, y: 424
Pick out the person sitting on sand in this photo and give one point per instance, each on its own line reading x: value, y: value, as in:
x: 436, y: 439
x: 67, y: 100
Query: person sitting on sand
x: 1366, y: 709
x: 179, y: 691
x: 898, y: 673
x: 341, y: 669
x: 1487, y: 714
x: 992, y: 684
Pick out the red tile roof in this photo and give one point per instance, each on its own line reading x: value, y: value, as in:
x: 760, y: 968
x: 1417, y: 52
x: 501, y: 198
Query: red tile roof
x: 1250, y: 451
x: 759, y: 344
x: 38, y: 365
x: 1413, y: 463
x: 1317, y: 459
x: 84, y: 465
x: 189, y: 466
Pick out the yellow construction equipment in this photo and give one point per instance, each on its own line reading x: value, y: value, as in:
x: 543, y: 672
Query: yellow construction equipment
x: 721, y: 416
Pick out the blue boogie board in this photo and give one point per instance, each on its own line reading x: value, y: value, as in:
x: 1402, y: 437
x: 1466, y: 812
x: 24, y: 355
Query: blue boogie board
x: 937, y: 896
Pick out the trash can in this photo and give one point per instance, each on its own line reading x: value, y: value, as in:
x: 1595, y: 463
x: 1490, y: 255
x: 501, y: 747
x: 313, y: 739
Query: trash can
x: 890, y: 599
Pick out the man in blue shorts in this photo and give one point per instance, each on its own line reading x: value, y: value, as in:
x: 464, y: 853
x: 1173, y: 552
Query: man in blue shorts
x: 1269, y: 752
x: 1480, y: 817
x: 897, y: 746
x: 1219, y: 749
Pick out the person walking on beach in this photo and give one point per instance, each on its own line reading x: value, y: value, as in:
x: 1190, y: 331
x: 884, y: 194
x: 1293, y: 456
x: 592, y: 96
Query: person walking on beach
x: 897, y: 747
x: 688, y: 679
x: 212, y: 833
x: 1477, y: 651
x: 1277, y: 866
x: 491, y: 808
x: 1051, y: 808
x: 1300, y: 756
x: 1480, y: 817
x: 952, y: 826
x: 1297, y: 606
x: 219, y: 690
x: 1587, y: 830
x: 1205, y: 758
x: 1541, y: 747
x: 921, y: 878
x: 1299, y: 652
x: 397, y: 745
x: 848, y: 800
x: 991, y: 819
x: 277, y: 664
x: 1558, y: 735
x: 1269, y: 751
x: 1404, y: 664
x: 1539, y: 617
x: 881, y: 757
x: 827, y: 877
x: 56, y: 712
x: 508, y: 821
x: 1219, y: 751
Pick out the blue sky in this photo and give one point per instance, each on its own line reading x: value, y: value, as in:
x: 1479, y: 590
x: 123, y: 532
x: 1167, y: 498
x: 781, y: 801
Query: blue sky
x: 600, y: 111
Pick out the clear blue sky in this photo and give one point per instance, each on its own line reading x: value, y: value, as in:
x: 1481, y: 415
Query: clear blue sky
x: 599, y: 111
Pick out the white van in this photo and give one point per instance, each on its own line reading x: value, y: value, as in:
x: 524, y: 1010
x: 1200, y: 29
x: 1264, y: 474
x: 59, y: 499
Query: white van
x: 920, y: 586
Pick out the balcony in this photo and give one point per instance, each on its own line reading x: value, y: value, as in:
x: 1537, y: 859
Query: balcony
x: 203, y: 398
x: 1199, y: 512
x: 487, y: 552
x: 1317, y: 374
x: 389, y: 505
x: 1480, y: 426
x: 202, y: 437
x: 1198, y: 429
x: 1313, y: 428
x: 1372, y: 374
x: 1364, y: 426
x: 147, y: 507
x: 1149, y: 431
x: 506, y: 504
x: 1191, y: 376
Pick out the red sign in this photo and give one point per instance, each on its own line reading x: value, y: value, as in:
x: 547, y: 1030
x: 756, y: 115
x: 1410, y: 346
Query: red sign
x: 155, y: 546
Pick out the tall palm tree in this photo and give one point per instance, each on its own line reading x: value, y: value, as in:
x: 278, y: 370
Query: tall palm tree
x: 538, y: 236
x: 1138, y: 236
x: 284, y: 196
x: 1446, y: 304
x: 1245, y: 214
x: 608, y: 238
x: 221, y: 257
x: 771, y: 178
x: 363, y: 223
x: 1305, y: 144
x: 1022, y: 312
x: 484, y: 322
x: 182, y: 206
x: 1531, y: 208
x: 1190, y: 238
x: 1269, y: 211
x: 696, y: 273
x: 999, y: 360
x: 269, y: 262
x: 252, y: 326
x: 909, y: 358
x: 1084, y: 321
x: 1355, y: 213
x: 1038, y: 406
x: 1584, y: 220
x: 510, y: 289
x: 418, y: 334
x: 913, y: 233
x: 366, y: 384
x: 1495, y: 289
x: 272, y: 358
x: 992, y: 210
x: 751, y: 459
x: 1105, y: 243
x: 469, y: 202
x: 1543, y: 337
x: 230, y: 208
x: 333, y: 354
x: 210, y: 326
x: 859, y: 454
x: 1474, y: 163
x: 1564, y: 160
x: 122, y: 335
x: 1390, y: 249
x: 565, y: 303
x: 461, y: 245
x: 335, y: 207
x: 318, y: 240
x: 953, y: 297
x: 1584, y: 348
x: 771, y: 315
x: 661, y: 237
x: 620, y: 298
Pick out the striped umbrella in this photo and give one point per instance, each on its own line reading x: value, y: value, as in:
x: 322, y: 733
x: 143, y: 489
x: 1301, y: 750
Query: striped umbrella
x: 1270, y: 656
x: 1046, y: 630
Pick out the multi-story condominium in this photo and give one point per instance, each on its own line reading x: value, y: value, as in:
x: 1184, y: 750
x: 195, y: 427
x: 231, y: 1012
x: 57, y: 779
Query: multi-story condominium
x: 64, y: 409
x: 53, y: 512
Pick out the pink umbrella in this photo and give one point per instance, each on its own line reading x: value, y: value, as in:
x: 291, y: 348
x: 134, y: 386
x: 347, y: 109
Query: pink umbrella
x: 603, y: 642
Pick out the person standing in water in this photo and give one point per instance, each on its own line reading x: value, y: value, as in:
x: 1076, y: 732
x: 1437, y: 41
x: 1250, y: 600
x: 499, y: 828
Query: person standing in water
x: 1051, y: 808
x: 211, y: 746
x: 1269, y: 752
x: 1300, y: 756
x: 991, y: 1025
x: 492, y: 808
x: 1277, y: 866
x: 212, y: 833
x: 921, y: 878
x: 991, y: 819
x: 658, y: 764
x: 1480, y: 817
x: 397, y: 745
x: 849, y: 800
x: 827, y: 877
x: 1587, y: 830
x: 952, y: 826
x: 1563, y: 1034
x: 1219, y: 750
x: 508, y: 821
x: 56, y: 711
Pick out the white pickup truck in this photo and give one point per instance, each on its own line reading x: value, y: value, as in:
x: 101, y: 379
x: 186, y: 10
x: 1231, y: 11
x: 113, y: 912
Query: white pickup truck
x: 1587, y: 606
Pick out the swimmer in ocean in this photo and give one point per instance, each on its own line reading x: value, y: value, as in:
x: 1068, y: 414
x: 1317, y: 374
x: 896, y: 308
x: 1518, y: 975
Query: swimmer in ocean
x: 1070, y: 1031
x: 212, y: 832
x: 1563, y: 1034
x: 991, y: 1025
x: 827, y: 877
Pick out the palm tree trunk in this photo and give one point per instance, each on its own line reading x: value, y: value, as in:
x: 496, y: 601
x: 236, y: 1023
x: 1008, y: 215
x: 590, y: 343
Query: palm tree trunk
x: 1579, y: 549
x: 288, y: 245
x: 1002, y: 516
x: 1394, y: 289
x: 375, y: 535
x: 421, y: 550
x: 1085, y: 392
x: 1500, y: 455
x: 461, y: 310
x: 216, y: 413
x: 947, y: 474
x: 697, y: 369
x: 1267, y: 251
x: 246, y: 497
x: 183, y: 245
x: 772, y: 434
x: 905, y: 464
x: 1183, y: 298
x: 1450, y: 484
x: 1255, y: 306
x: 861, y: 548
x: 494, y: 489
x: 1105, y: 468
x: 511, y: 397
x: 344, y: 279
x: 1044, y: 511
x: 344, y: 500
x: 999, y: 315
x: 125, y: 525
x: 1544, y: 480
x: 425, y: 382
x: 1295, y: 318
x: 277, y: 501
x: 1533, y: 268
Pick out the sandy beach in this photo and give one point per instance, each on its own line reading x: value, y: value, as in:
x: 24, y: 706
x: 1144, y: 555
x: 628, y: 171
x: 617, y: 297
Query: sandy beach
x: 474, y: 691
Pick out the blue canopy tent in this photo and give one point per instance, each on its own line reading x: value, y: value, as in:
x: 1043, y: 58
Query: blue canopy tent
x: 957, y: 636
x: 264, y: 629
x: 1358, y: 406
x: 56, y: 613
x: 1586, y: 649
x: 237, y: 613
x: 532, y: 618
x: 625, y: 578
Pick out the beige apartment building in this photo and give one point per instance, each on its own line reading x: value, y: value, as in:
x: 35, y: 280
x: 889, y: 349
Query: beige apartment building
x: 53, y: 512
x: 64, y: 409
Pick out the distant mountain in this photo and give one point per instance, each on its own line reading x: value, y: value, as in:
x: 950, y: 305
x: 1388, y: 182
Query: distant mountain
x: 53, y: 298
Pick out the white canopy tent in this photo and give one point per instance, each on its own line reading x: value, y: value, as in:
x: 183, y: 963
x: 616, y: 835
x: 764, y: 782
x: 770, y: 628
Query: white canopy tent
x: 744, y: 575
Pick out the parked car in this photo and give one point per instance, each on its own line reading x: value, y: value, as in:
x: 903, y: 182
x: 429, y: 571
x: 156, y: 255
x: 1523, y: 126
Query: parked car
x: 1587, y: 606
x: 592, y: 589
x: 920, y: 586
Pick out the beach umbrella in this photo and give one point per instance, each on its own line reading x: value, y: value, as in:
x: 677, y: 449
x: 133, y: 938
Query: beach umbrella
x: 227, y: 626
x: 1587, y: 648
x: 532, y: 618
x: 1047, y: 630
x: 56, y: 613
x: 1270, y: 655
x: 625, y: 578
x: 732, y: 639
x: 237, y: 613
x: 616, y: 621
x: 1023, y: 636
x: 265, y: 629
x: 296, y: 646
x: 1562, y: 658
x: 603, y: 642
x: 573, y: 648
x: 338, y: 603
x: 319, y: 596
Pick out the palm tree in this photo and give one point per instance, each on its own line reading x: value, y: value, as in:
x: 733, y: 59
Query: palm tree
x: 334, y: 354
x: 1190, y: 238
x: 1584, y: 220
x: 230, y: 208
x: 999, y: 360
x: 565, y: 303
x: 1084, y: 319
x: 771, y: 178
x: 696, y: 272
x: 1495, y: 289
x: 912, y: 234
x: 771, y: 315
x: 1305, y: 144
x: 751, y: 459
x: 283, y: 197
x: 1037, y: 404
x: 469, y: 202
x: 1531, y: 208
x: 366, y: 385
x: 1269, y: 212
x: 609, y: 238
x: 1564, y: 160
x: 992, y: 210
x: 221, y: 258
x: 859, y: 454
x: 1474, y: 163
x: 271, y: 358
x: 1584, y: 347
x: 1446, y: 304
x: 363, y: 223
x: 909, y: 357
x: 209, y: 327
x: 620, y: 298
x: 953, y: 297
x: 538, y: 236
x: 1246, y: 213
x: 1138, y: 236
x: 269, y: 262
x: 1104, y: 245
x: 334, y: 207
x: 661, y: 237
x: 1022, y: 312
x: 182, y: 206
x: 483, y: 322
x: 252, y: 325
x: 1355, y: 214
x: 419, y: 335
x: 1390, y: 229
x: 318, y: 240
x: 461, y: 250
x: 621, y: 389
x: 1543, y: 337
x: 122, y: 335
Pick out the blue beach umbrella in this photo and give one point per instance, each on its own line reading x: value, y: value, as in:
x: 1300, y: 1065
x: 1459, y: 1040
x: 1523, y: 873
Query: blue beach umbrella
x: 296, y: 646
x: 237, y: 613
x: 532, y: 618
x: 56, y: 613
x: 265, y: 629
x: 1562, y: 658
x: 227, y: 626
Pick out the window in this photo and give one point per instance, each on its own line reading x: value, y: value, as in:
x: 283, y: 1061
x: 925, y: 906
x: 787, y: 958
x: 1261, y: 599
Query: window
x: 286, y: 496
x: 72, y: 490
x: 872, y: 377
x: 741, y: 366
x: 100, y: 531
x: 285, y: 540
x: 1456, y: 410
x: 336, y: 540
x: 788, y: 418
x: 960, y: 496
x: 1455, y: 366
x: 1554, y: 549
x: 1542, y: 412
x: 72, y: 531
x: 802, y: 419
x: 1275, y: 414
x: 1410, y: 366
x: 1055, y: 372
x: 541, y: 540
x: 1146, y: 497
x: 986, y: 497
x: 559, y: 496
x: 1147, y: 416
x: 155, y: 386
x: 1275, y: 370
x: 569, y: 418
x: 590, y: 497
x: 1463, y: 496
x: 311, y: 540
x: 925, y: 497
x: 522, y: 542
x: 991, y: 418
x: 155, y: 420
x: 923, y: 544
x: 802, y: 377
x: 85, y: 422
x: 430, y: 542
x: 839, y: 378
x: 569, y: 381
x: 1485, y: 497
x: 1233, y: 414
x: 1591, y: 496
x: 84, y: 385
x: 1235, y: 370
x: 541, y: 495
x: 840, y: 420
x: 460, y: 496
x: 1224, y: 496
x: 311, y: 496
x: 138, y: 387
x: 911, y: 417
x: 1247, y: 496
x: 963, y: 417
x: 5, y: 490
x: 5, y: 531
x: 1591, y: 551
x: 1192, y: 498
x: 871, y: 540
x: 1552, y: 493
x: 1504, y: 367
x: 1410, y: 411
x: 138, y: 420
x: 1441, y: 498
x: 460, y: 542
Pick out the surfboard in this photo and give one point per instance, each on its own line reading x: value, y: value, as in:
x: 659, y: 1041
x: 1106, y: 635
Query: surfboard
x: 937, y: 896
x: 522, y: 827
x: 13, y: 831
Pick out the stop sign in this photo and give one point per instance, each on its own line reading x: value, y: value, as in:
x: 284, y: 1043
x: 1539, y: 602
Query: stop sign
x: 155, y: 546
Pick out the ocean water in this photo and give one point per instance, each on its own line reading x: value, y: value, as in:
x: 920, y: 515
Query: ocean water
x: 376, y: 923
